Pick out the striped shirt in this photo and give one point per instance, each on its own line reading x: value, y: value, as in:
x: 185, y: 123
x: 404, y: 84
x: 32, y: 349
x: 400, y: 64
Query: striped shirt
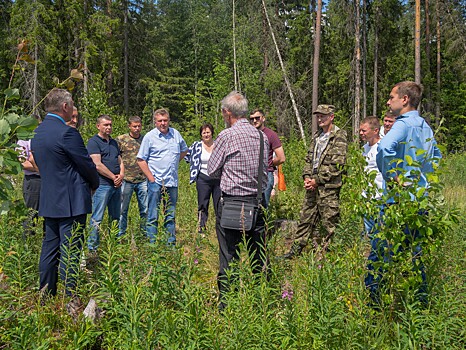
x: 235, y: 158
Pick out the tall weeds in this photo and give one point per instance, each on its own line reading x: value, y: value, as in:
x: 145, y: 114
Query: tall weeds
x: 157, y: 298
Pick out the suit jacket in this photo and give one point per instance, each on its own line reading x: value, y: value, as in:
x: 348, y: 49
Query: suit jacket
x: 68, y: 173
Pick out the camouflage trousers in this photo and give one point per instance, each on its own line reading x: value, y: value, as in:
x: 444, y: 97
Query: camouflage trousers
x: 321, y: 206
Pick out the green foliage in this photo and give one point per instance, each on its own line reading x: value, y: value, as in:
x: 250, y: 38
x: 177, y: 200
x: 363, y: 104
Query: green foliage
x: 156, y: 297
x: 13, y: 126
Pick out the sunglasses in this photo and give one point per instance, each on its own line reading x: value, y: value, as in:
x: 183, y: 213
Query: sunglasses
x: 254, y: 119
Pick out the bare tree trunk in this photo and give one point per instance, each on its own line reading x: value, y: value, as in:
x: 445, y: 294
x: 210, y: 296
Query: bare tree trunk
x: 84, y: 59
x: 428, y: 99
x: 376, y: 72
x: 35, y: 85
x: 265, y: 61
x: 125, y: 60
x: 234, y: 48
x: 315, y: 63
x: 427, y: 14
x: 364, y: 59
x: 357, y: 73
x: 376, y: 63
x: 85, y: 71
x: 288, y: 85
x: 417, y: 44
x: 439, y: 65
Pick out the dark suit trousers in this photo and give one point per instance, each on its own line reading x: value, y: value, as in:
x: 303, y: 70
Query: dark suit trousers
x: 61, y: 249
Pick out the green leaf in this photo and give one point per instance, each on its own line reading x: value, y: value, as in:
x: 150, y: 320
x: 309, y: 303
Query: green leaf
x: 12, y: 118
x: 27, y: 121
x: 409, y: 160
x: 24, y: 134
x: 11, y: 93
x: 4, y: 207
x: 4, y: 127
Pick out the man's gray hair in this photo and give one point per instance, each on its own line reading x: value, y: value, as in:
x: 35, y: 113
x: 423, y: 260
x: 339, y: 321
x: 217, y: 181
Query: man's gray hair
x: 236, y: 104
x: 103, y: 117
x: 56, y: 98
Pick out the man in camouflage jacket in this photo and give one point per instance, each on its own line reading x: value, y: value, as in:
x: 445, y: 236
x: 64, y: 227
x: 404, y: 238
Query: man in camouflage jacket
x: 322, y: 176
x: 135, y: 180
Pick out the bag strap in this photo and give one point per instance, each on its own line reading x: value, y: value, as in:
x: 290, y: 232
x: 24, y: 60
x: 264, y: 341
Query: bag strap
x: 261, y: 168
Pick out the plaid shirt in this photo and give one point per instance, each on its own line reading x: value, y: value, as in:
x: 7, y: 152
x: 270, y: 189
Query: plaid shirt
x: 235, y: 157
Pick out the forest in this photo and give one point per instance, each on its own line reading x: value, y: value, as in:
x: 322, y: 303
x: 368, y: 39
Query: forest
x: 136, y: 56
x: 130, y: 57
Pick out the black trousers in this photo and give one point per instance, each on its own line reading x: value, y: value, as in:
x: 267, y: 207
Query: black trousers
x: 229, y: 240
x: 61, y: 249
x: 31, y: 196
x: 206, y: 187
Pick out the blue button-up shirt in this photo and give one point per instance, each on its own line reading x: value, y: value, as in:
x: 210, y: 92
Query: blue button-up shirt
x: 412, y: 137
x: 162, y: 154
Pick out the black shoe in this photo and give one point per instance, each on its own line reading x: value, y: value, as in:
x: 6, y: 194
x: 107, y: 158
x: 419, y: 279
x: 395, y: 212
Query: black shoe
x: 296, y: 250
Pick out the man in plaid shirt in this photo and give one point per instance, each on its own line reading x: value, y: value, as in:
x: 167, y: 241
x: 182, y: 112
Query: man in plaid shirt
x: 235, y: 160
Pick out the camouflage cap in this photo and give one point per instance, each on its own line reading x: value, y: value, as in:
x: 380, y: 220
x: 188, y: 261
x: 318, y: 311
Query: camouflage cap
x: 324, y: 109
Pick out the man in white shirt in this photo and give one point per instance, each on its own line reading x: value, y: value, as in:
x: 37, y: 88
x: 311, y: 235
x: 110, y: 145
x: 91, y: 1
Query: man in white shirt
x: 369, y: 132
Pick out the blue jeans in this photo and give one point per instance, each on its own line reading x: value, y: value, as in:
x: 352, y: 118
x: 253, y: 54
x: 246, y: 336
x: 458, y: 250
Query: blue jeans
x: 127, y: 190
x: 166, y: 198
x: 104, y: 196
x: 268, y: 190
x: 379, y: 252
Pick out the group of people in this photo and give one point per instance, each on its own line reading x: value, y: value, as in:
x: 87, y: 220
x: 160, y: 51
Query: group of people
x: 77, y: 180
x: 404, y: 151
x: 105, y: 174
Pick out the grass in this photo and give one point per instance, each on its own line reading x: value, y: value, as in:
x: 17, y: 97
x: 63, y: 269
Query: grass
x: 159, y: 298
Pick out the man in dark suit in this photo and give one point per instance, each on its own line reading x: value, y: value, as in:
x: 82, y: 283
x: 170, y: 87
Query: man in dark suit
x: 68, y: 176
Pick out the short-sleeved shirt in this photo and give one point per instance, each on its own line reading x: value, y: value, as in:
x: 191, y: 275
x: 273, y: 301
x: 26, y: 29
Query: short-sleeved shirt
x: 235, y: 159
x: 109, y: 152
x: 162, y: 154
x: 274, y: 143
x: 24, y: 150
x: 129, y: 148
x: 370, y: 152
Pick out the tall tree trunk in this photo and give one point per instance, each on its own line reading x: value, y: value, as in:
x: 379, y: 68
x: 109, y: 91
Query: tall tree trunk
x: 376, y: 63
x: 287, y: 82
x: 364, y: 59
x: 428, y: 94
x: 85, y: 71
x: 125, y: 60
x: 35, y: 84
x: 265, y: 62
x: 35, y: 77
x: 357, y: 72
x: 417, y: 43
x: 439, y: 65
x: 235, y: 71
x: 84, y: 60
x: 315, y: 63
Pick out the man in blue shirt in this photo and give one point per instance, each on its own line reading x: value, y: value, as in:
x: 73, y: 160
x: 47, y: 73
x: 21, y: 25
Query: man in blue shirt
x: 409, y: 134
x: 410, y: 150
x: 105, y: 153
x: 158, y: 157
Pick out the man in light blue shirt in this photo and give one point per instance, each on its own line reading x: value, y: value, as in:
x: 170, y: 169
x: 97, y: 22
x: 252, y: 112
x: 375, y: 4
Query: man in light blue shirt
x: 407, y: 137
x: 158, y: 157
x: 409, y: 149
